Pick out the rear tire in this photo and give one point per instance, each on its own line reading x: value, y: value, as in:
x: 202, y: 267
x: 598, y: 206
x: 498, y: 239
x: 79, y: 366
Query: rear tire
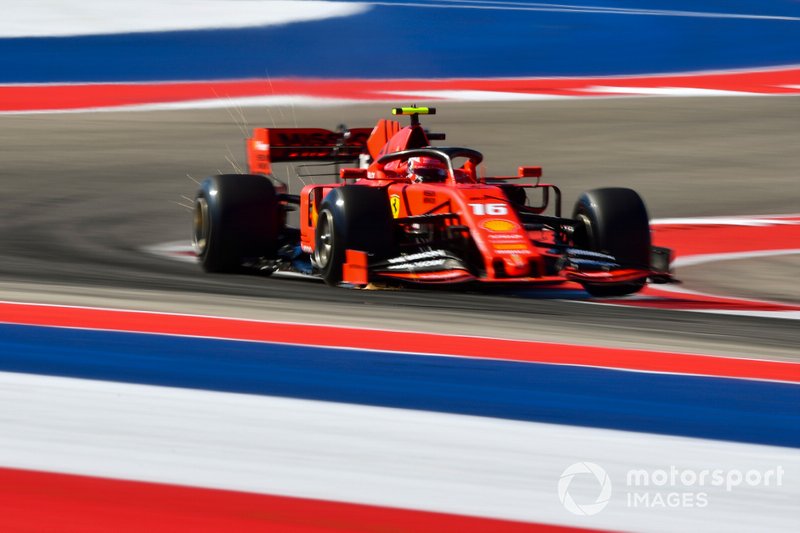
x: 352, y: 217
x: 236, y: 218
x: 614, y: 221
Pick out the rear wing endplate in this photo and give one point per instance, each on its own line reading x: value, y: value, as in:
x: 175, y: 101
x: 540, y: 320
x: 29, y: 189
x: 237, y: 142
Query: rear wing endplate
x: 282, y: 145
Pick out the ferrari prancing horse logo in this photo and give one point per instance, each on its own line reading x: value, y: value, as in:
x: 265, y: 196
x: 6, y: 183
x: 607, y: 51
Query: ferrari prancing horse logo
x: 394, y: 201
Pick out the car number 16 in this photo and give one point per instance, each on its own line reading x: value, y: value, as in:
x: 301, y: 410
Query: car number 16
x: 489, y: 209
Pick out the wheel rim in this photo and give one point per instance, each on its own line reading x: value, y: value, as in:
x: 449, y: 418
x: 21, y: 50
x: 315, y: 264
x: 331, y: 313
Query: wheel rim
x: 201, y: 226
x: 324, y: 247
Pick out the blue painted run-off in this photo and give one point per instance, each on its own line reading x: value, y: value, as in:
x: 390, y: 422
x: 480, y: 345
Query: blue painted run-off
x: 462, y: 39
x: 716, y: 408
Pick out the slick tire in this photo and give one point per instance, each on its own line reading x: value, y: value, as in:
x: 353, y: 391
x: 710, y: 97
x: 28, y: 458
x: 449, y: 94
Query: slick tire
x: 352, y: 217
x: 614, y: 221
x: 236, y: 219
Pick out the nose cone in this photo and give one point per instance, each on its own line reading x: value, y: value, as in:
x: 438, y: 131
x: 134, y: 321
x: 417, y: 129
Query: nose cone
x: 516, y: 265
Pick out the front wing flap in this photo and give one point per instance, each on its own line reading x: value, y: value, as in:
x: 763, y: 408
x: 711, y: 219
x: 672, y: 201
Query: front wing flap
x: 434, y: 266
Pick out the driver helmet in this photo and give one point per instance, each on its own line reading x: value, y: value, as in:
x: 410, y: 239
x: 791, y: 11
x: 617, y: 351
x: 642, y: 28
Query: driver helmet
x: 426, y: 169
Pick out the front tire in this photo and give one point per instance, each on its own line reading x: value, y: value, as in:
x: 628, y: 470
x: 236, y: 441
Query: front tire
x: 614, y: 221
x: 236, y: 218
x: 352, y: 217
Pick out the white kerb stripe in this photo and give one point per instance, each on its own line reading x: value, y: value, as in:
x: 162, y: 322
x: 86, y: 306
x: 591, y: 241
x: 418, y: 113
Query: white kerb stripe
x: 391, y: 457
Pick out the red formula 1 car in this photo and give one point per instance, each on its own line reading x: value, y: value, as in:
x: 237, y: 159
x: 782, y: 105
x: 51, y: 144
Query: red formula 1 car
x: 415, y: 213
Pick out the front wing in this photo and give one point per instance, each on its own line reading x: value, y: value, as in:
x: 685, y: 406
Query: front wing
x: 441, y: 266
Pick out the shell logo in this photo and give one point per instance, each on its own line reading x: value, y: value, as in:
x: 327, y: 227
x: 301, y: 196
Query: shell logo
x: 499, y: 225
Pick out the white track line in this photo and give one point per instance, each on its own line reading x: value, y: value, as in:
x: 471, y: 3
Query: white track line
x: 664, y: 91
x: 215, y: 103
x: 700, y: 259
x: 457, y: 95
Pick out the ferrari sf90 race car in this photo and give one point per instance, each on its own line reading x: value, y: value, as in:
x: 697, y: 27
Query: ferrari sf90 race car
x: 407, y: 212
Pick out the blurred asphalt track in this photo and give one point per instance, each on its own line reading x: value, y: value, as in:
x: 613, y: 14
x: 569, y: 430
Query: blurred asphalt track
x: 86, y: 192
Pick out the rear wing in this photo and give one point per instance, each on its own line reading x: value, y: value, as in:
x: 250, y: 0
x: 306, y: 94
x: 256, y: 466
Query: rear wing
x: 282, y: 145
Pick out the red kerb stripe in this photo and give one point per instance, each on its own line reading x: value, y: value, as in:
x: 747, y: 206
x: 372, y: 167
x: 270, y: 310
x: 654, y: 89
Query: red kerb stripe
x: 38, y: 501
x: 425, y: 343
